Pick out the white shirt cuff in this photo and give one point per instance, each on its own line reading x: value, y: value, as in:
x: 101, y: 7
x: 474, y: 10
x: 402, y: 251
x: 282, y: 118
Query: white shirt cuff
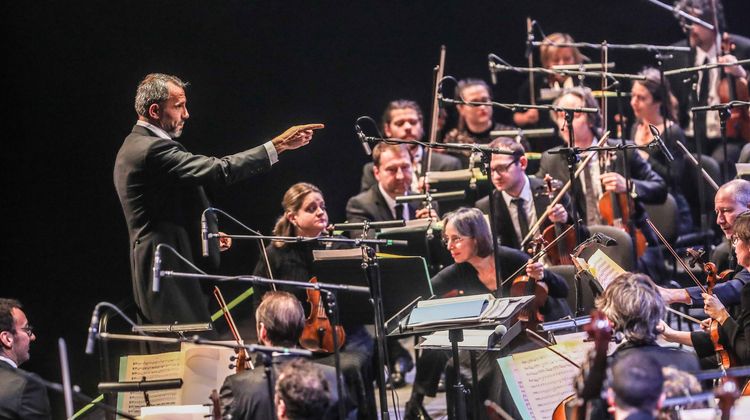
x: 273, y: 156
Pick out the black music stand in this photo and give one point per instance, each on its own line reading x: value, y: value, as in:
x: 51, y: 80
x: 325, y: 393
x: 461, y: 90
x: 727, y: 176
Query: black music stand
x: 431, y: 247
x: 475, y: 185
x: 505, y: 311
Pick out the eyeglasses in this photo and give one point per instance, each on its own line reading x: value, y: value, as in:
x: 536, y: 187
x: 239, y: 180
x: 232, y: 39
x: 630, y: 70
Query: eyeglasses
x: 28, y: 329
x: 735, y: 240
x: 504, y: 168
x: 452, y: 239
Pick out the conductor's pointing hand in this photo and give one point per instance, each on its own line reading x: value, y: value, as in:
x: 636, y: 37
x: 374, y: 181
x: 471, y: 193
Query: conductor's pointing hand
x: 295, y: 137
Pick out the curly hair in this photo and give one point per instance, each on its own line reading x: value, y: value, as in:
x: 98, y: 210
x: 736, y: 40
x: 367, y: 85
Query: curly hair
x: 303, y: 389
x: 633, y: 304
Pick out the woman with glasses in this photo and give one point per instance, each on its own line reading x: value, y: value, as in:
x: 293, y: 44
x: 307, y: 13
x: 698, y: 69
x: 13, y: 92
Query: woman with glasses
x: 733, y: 322
x: 466, y: 234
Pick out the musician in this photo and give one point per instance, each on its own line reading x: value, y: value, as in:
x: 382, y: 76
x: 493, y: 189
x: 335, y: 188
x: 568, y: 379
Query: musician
x: 734, y: 330
x: 635, y: 308
x: 393, y: 169
x: 474, y: 122
x: 635, y: 391
x: 550, y: 54
x: 279, y: 322
x: 302, y: 392
x: 21, y: 397
x: 731, y: 200
x: 703, y: 43
x: 305, y: 215
x: 519, y: 199
x: 160, y: 187
x: 651, y: 107
x: 467, y: 237
x: 594, y: 181
x: 403, y: 119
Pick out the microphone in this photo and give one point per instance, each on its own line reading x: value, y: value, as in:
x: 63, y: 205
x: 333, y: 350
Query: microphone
x: 660, y: 142
x: 204, y: 235
x: 93, y: 330
x: 603, y: 239
x: 529, y: 36
x: 497, y: 335
x: 363, y: 140
x: 156, y: 270
x: 140, y: 386
x: 493, y: 75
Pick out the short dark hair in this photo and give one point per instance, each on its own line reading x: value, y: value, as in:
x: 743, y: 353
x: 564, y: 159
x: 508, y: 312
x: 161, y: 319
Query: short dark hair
x: 154, y: 89
x: 588, y: 101
x: 304, y: 390
x: 464, y: 84
x: 510, y: 144
x: 401, y: 104
x: 637, y: 381
x: 704, y: 10
x: 654, y: 86
x: 282, y: 315
x: 7, y: 322
x: 470, y: 222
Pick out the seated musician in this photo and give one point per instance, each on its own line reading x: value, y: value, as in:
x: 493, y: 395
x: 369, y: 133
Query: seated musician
x: 302, y: 392
x: 519, y: 199
x: 706, y: 126
x: 732, y: 199
x: 732, y: 329
x: 475, y: 123
x: 550, y: 54
x: 403, y: 119
x: 649, y: 108
x: 279, y: 321
x: 305, y: 215
x: 595, y: 180
x: 635, y: 391
x: 467, y: 236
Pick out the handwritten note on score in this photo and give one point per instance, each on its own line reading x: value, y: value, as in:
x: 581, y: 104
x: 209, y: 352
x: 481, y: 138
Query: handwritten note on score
x: 539, y: 380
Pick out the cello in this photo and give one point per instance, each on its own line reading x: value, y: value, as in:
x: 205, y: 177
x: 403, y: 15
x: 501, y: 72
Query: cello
x: 317, y: 335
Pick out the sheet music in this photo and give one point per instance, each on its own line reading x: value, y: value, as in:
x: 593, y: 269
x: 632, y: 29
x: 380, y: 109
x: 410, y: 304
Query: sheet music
x: 539, y: 379
x: 604, y: 268
x: 152, y: 367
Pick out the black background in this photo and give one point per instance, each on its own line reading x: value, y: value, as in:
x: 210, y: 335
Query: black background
x: 255, y: 67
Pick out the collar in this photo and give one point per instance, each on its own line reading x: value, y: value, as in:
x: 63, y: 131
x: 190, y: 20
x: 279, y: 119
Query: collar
x: 391, y: 202
x: 9, y: 361
x: 525, y: 193
x: 154, y: 129
x: 701, y: 55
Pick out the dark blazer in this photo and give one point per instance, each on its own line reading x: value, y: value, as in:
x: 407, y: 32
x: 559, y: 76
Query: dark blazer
x: 160, y: 187
x: 21, y: 397
x: 370, y: 205
x: 440, y: 162
x: 681, y: 89
x: 245, y: 395
x: 503, y: 221
x: 650, y: 188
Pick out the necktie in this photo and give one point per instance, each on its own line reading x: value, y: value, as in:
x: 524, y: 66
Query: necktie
x: 523, y: 221
x: 400, y: 211
x: 592, y: 204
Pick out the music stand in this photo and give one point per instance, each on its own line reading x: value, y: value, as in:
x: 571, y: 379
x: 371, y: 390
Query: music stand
x: 415, y: 232
x: 475, y: 185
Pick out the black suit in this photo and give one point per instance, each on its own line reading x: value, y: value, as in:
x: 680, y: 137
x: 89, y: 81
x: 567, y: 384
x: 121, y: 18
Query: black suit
x: 20, y: 397
x: 160, y: 186
x: 245, y: 395
x: 440, y: 162
x: 503, y: 221
x: 371, y: 205
x: 650, y: 188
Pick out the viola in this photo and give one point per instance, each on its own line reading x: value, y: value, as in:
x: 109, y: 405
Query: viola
x: 615, y: 209
x: 527, y: 286
x: 317, y: 335
x: 241, y: 361
x: 560, y: 254
x: 723, y: 357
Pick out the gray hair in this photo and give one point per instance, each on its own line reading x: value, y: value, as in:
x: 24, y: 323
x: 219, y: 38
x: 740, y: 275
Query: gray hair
x: 470, y: 222
x: 739, y: 189
x: 153, y: 89
x: 635, y: 307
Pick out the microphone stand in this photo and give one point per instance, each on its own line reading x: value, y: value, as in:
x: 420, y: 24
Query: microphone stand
x: 327, y: 288
x: 724, y: 114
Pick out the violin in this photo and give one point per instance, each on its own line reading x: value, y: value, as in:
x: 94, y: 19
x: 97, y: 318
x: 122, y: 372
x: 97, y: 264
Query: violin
x: 317, y: 335
x: 589, y: 382
x: 723, y: 357
x: 527, y: 286
x: 241, y: 362
x: 559, y: 255
x: 734, y: 89
x: 615, y: 209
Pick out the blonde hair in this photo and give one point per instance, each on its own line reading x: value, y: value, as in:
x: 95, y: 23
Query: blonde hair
x: 291, y: 203
x: 632, y: 303
x: 549, y: 48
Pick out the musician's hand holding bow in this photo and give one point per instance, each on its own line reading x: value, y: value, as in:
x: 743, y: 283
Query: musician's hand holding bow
x: 736, y: 70
x: 423, y: 213
x: 558, y: 214
x: 613, y: 182
x: 714, y: 308
x: 672, y: 335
